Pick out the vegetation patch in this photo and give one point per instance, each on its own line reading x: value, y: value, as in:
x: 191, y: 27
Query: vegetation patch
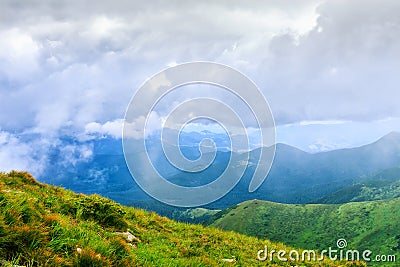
x: 42, y: 225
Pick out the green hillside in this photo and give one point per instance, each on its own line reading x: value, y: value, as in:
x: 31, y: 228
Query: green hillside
x: 42, y: 225
x: 371, y: 225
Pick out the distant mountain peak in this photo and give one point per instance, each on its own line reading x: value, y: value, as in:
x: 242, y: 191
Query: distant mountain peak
x: 390, y: 137
x: 289, y: 148
x: 392, y: 134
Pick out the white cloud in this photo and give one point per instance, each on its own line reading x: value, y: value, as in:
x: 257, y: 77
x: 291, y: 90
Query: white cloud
x: 312, y: 60
x: 322, y: 145
x: 19, y: 55
x: 72, y: 154
x: 325, y: 122
x: 18, y: 155
x: 104, y: 27
x: 111, y: 128
x: 28, y: 153
x: 343, y: 69
x: 139, y: 127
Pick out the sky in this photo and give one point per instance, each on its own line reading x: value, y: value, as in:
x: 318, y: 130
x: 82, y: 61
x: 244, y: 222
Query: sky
x: 330, y: 70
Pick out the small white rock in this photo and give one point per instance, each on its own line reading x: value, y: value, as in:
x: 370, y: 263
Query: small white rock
x: 230, y: 260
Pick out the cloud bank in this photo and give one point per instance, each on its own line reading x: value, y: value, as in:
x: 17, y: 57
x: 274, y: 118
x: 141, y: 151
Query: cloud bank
x: 72, y: 67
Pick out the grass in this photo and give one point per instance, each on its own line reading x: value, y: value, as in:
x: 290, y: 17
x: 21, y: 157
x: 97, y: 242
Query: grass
x: 42, y: 225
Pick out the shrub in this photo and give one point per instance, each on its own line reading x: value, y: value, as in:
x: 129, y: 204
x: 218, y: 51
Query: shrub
x: 101, y: 210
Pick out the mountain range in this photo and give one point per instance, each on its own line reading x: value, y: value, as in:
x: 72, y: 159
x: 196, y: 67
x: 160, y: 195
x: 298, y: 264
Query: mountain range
x: 296, y: 176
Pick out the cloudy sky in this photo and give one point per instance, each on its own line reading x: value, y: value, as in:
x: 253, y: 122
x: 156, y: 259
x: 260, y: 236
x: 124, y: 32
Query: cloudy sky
x: 329, y: 69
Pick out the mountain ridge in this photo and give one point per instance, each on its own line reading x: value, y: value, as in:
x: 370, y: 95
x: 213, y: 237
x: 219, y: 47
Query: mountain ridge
x: 383, y: 185
x: 389, y: 137
x: 296, y: 176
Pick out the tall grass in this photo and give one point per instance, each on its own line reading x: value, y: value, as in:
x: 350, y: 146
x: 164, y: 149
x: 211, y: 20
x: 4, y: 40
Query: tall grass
x: 42, y: 225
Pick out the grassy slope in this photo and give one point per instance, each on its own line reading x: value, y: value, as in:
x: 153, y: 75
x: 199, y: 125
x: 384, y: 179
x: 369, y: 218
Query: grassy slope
x: 42, y: 225
x: 371, y: 225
